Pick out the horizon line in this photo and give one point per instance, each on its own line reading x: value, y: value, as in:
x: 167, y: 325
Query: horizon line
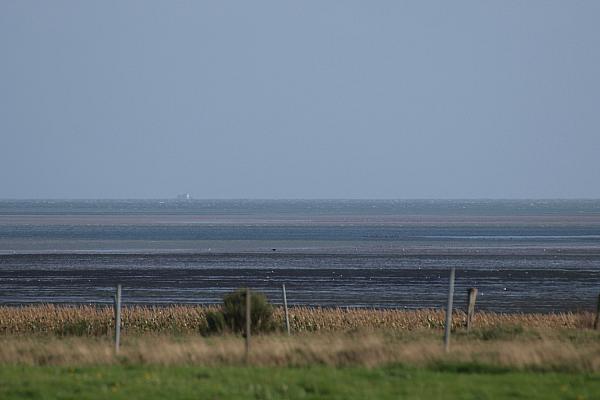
x: 300, y: 199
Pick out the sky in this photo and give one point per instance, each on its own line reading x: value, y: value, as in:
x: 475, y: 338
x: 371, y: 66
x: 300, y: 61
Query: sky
x: 300, y: 99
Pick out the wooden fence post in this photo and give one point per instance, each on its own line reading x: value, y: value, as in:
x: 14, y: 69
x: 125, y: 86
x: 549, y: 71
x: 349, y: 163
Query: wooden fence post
x: 118, y: 319
x: 449, y: 312
x: 597, y: 320
x: 248, y: 322
x: 285, y: 308
x: 471, y: 307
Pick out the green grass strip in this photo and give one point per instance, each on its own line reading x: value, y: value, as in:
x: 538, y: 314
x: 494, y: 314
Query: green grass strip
x: 156, y: 382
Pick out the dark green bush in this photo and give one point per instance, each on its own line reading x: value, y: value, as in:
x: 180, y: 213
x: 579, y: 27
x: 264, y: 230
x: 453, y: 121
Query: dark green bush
x: 215, y: 322
x: 74, y: 328
x: 232, y: 316
x: 502, y: 332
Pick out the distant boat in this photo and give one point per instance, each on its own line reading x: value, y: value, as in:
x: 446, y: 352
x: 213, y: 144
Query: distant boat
x: 184, y: 196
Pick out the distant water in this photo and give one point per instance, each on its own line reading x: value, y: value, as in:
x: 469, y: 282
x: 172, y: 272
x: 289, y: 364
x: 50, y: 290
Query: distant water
x: 521, y: 255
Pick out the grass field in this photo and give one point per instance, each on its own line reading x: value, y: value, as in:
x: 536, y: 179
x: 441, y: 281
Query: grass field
x: 394, y: 382
x: 50, y: 352
x: 524, y: 350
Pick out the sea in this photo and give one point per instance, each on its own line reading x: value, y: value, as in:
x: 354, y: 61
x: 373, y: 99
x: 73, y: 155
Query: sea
x: 521, y: 255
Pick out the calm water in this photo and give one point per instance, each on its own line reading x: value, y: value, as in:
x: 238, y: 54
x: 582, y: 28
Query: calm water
x: 521, y: 255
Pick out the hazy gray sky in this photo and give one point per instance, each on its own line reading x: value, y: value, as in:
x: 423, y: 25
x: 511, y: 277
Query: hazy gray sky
x: 299, y: 99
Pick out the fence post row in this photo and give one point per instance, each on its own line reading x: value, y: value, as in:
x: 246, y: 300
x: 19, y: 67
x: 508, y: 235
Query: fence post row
x: 471, y: 307
x: 248, y: 320
x: 117, y: 307
x: 472, y: 298
x: 449, y: 311
x: 597, y: 320
x: 285, y: 308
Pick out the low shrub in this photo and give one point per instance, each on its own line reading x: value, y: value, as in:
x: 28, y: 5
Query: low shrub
x: 232, y: 315
x: 74, y: 328
x: 501, y: 332
x: 215, y: 322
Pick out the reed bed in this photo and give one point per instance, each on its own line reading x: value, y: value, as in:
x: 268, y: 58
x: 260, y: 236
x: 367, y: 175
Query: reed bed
x: 82, y: 335
x: 188, y: 320
x: 305, y: 319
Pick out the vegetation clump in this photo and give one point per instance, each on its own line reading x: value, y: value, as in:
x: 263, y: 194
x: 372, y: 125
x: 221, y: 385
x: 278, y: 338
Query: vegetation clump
x: 232, y: 315
x: 500, y: 332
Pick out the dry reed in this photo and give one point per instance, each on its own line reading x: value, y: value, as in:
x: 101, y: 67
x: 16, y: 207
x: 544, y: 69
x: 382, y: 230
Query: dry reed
x: 82, y: 335
x: 98, y: 321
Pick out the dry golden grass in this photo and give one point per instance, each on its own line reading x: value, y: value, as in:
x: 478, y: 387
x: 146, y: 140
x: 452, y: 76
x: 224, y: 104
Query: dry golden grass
x: 332, y: 320
x: 368, y: 349
x: 82, y: 335
x: 98, y: 321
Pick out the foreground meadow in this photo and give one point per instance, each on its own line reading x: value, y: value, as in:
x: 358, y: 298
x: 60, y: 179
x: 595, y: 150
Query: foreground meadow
x: 316, y: 382
x: 53, y: 352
